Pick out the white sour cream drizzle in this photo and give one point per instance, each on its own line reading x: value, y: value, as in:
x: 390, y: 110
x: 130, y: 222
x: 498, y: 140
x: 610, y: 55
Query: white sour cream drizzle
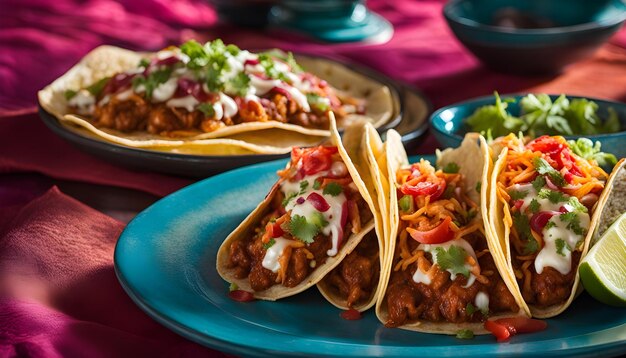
x: 83, y: 101
x: 165, y: 90
x: 481, y: 301
x: 549, y: 255
x: 422, y: 277
x: 187, y: 102
x: 270, y: 260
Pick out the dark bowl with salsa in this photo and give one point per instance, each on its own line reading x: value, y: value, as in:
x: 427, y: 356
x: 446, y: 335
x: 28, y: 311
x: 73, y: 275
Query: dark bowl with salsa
x: 533, y: 36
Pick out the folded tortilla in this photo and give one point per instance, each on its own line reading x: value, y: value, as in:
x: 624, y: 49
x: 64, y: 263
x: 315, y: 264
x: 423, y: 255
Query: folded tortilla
x: 501, y: 234
x: 106, y: 61
x: 475, y: 164
x: 246, y: 228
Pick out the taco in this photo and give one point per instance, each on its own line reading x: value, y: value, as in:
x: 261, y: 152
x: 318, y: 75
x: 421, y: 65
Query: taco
x: 317, y: 212
x: 543, y: 211
x: 355, y: 282
x: 201, y: 92
x: 441, y: 272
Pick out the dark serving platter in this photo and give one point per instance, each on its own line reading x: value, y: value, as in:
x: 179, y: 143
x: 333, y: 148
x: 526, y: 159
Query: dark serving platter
x: 411, y: 122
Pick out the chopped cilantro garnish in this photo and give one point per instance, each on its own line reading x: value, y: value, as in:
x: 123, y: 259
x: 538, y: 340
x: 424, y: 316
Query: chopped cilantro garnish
x: 233, y: 50
x: 576, y: 205
x: 406, y: 203
x: 153, y: 80
x: 518, y: 194
x: 573, y: 221
x: 550, y: 224
x: 449, y: 192
x: 544, y: 168
x: 332, y: 189
x: 96, y: 88
x: 534, y: 206
x: 554, y: 196
x: 239, y: 84
x: 317, y: 184
x: 539, y: 183
x: 560, y: 245
x: 291, y: 61
x: 288, y: 198
x: 69, y: 94
x: 317, y: 101
x: 465, y: 334
x: 451, y: 168
x: 452, y: 260
x: 144, y: 62
x: 207, y: 109
x: 478, y: 187
x: 470, y: 309
x: 269, y: 244
x: 198, y: 57
x: 303, y: 185
x: 530, y: 247
x: 304, y: 230
x: 471, y: 213
x: 267, y: 62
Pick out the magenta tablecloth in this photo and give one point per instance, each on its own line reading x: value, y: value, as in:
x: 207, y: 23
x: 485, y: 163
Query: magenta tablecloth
x: 58, y: 293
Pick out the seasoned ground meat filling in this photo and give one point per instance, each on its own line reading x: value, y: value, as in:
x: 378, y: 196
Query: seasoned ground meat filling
x: 549, y: 287
x: 356, y: 278
x: 445, y: 300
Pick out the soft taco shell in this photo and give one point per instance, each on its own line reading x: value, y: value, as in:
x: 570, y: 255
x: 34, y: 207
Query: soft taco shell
x: 250, y: 223
x: 107, y: 60
x: 612, y: 202
x: 356, y: 144
x: 475, y: 164
x: 501, y: 235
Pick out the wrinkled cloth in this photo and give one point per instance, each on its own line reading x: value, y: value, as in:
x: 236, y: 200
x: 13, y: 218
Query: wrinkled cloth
x: 58, y: 292
x: 59, y: 296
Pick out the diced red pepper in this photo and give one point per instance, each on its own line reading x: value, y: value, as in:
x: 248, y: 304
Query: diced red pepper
x: 522, y: 324
x: 351, y: 314
x: 274, y: 230
x: 501, y: 332
x: 241, y: 296
x: 438, y: 235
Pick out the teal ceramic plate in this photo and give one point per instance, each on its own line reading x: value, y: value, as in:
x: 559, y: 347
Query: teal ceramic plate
x: 165, y: 260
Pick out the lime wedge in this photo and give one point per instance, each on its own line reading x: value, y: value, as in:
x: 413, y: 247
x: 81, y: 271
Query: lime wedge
x: 603, y: 270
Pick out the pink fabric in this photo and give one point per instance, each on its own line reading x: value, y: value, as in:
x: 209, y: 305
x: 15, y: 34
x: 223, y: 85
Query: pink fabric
x: 58, y: 293
x: 59, y: 296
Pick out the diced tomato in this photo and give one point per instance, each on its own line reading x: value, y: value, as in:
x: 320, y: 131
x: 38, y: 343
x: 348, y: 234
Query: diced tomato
x: 432, y: 188
x: 274, y: 230
x: 351, y: 314
x: 522, y: 324
x: 317, y: 159
x: 545, y: 144
x: 501, y: 332
x: 438, y: 235
x: 517, y: 204
x: 241, y: 296
x: 569, y: 177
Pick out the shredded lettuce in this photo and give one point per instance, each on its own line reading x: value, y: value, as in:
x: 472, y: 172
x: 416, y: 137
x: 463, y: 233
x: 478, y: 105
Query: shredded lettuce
x: 585, y: 148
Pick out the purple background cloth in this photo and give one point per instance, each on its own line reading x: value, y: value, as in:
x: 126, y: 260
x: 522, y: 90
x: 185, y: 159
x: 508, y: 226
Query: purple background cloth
x: 58, y: 292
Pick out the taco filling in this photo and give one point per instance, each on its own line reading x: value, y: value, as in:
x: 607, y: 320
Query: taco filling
x: 442, y: 269
x: 549, y: 194
x: 315, y: 208
x: 194, y: 88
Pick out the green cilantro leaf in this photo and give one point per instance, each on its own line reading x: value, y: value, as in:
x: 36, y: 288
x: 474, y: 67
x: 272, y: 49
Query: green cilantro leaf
x: 452, y: 260
x: 465, y: 334
x: 198, y: 57
x: 233, y: 49
x: 576, y: 205
x: 207, y: 109
x: 406, y: 203
x: 573, y: 221
x: 518, y: 194
x: 560, y: 245
x: 530, y: 247
x: 539, y: 183
x: 543, y: 168
x: 306, y: 231
x: 269, y: 244
x: 144, y: 63
x: 534, y: 206
x: 478, y: 186
x: 152, y: 81
x: 239, y: 84
x: 288, y: 198
x: 470, y: 309
x: 233, y: 287
x: 317, y: 101
x: 554, y: 196
x: 96, y: 88
x: 317, y: 184
x: 550, y: 224
x: 69, y: 94
x: 303, y: 185
x: 332, y: 189
x: 451, y: 168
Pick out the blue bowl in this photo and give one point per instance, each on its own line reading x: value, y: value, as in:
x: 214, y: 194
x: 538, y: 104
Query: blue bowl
x: 533, y: 36
x: 448, y: 123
